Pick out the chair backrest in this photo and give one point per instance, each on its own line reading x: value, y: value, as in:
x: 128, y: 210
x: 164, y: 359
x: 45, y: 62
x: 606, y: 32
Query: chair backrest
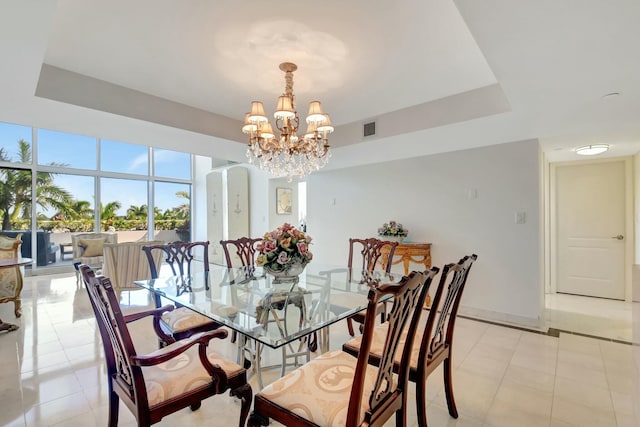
x: 81, y: 241
x: 125, y: 263
x: 245, y: 249
x: 370, y: 250
x: 10, y: 278
x: 116, y: 340
x: 408, y: 298
x: 178, y: 255
x: 438, y: 334
x: 10, y: 246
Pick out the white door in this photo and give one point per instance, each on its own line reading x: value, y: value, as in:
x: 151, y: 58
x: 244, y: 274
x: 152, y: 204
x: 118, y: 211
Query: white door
x: 590, y: 213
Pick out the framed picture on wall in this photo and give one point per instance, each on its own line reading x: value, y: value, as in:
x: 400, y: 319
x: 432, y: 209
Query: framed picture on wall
x: 283, y: 201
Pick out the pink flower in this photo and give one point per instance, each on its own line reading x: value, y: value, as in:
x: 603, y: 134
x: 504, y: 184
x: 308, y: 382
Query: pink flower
x: 283, y: 258
x: 269, y: 246
x: 302, y: 247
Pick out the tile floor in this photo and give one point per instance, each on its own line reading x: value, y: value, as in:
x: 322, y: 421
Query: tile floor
x: 53, y: 371
x: 598, y: 317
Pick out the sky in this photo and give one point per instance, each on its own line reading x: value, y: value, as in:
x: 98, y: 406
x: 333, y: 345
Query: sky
x: 80, y: 152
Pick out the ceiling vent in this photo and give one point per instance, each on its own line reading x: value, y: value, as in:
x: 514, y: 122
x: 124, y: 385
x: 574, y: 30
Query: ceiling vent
x: 370, y: 129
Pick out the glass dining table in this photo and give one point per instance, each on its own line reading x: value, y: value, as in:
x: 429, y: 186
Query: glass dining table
x: 259, y: 308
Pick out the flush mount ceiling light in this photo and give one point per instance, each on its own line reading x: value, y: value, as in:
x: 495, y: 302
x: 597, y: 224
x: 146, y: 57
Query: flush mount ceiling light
x: 592, y: 150
x: 288, y: 154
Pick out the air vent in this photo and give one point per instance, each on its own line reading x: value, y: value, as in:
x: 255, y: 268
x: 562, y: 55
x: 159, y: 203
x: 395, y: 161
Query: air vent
x: 369, y: 129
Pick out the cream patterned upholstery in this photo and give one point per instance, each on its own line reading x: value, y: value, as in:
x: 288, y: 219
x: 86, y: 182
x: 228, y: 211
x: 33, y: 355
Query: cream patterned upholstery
x: 183, y: 373
x: 183, y: 319
x: 319, y: 390
x: 125, y: 262
x: 78, y: 249
x: 11, y: 278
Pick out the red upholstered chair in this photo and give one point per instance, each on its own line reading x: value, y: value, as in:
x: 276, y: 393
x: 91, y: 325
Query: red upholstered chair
x: 337, y: 388
x: 364, y: 254
x: 181, y: 322
x: 160, y: 383
x: 435, y: 338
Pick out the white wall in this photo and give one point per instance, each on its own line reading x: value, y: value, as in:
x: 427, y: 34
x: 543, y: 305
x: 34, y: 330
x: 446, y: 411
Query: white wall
x: 462, y: 202
x: 258, y: 201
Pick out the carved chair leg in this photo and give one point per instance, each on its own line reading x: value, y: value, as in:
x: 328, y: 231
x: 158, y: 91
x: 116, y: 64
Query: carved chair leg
x: 114, y: 401
x: 350, y: 327
x: 448, y: 387
x: 17, y: 309
x: 401, y: 414
x: 245, y: 394
x: 257, y: 420
x: 421, y: 401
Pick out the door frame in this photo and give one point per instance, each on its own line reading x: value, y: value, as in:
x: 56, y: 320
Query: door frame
x: 551, y: 230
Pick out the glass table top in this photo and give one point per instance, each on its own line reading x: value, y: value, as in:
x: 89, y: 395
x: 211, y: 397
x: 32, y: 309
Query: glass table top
x: 255, y: 304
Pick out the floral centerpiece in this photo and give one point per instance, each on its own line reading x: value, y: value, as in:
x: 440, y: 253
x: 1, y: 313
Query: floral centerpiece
x: 393, y: 230
x: 284, y: 251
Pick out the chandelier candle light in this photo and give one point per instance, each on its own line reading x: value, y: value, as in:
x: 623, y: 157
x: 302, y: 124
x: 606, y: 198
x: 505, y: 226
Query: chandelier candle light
x: 288, y: 155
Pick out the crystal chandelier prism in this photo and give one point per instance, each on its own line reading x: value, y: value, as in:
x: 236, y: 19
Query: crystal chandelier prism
x: 288, y: 154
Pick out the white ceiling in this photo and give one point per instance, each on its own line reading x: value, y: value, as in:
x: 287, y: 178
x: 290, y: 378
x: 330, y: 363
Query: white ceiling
x: 466, y: 73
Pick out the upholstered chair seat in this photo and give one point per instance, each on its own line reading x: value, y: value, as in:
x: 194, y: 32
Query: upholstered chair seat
x: 319, y: 390
x: 183, y: 319
x: 183, y: 374
x: 338, y: 389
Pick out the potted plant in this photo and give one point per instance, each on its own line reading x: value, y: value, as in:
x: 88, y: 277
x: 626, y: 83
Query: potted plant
x: 284, y: 252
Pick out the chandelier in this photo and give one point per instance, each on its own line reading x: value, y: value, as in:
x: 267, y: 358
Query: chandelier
x: 288, y: 154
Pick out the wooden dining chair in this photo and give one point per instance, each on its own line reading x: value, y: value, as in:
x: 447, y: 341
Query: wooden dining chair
x: 338, y: 389
x: 370, y: 253
x: 244, y: 249
x: 181, y: 322
x: 160, y: 383
x: 434, y: 346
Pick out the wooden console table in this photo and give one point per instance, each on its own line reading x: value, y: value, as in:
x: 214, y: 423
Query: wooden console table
x: 406, y: 253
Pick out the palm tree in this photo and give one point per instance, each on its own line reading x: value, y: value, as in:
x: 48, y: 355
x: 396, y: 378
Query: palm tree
x: 183, y: 211
x: 16, y: 192
x: 108, y: 213
x: 137, y: 212
x: 76, y: 209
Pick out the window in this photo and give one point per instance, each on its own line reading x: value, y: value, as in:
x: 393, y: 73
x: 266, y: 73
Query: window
x: 171, y: 164
x: 15, y: 143
x: 124, y: 158
x: 66, y: 150
x: 123, y: 204
x: 76, y: 194
x: 15, y: 198
x: 173, y: 208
